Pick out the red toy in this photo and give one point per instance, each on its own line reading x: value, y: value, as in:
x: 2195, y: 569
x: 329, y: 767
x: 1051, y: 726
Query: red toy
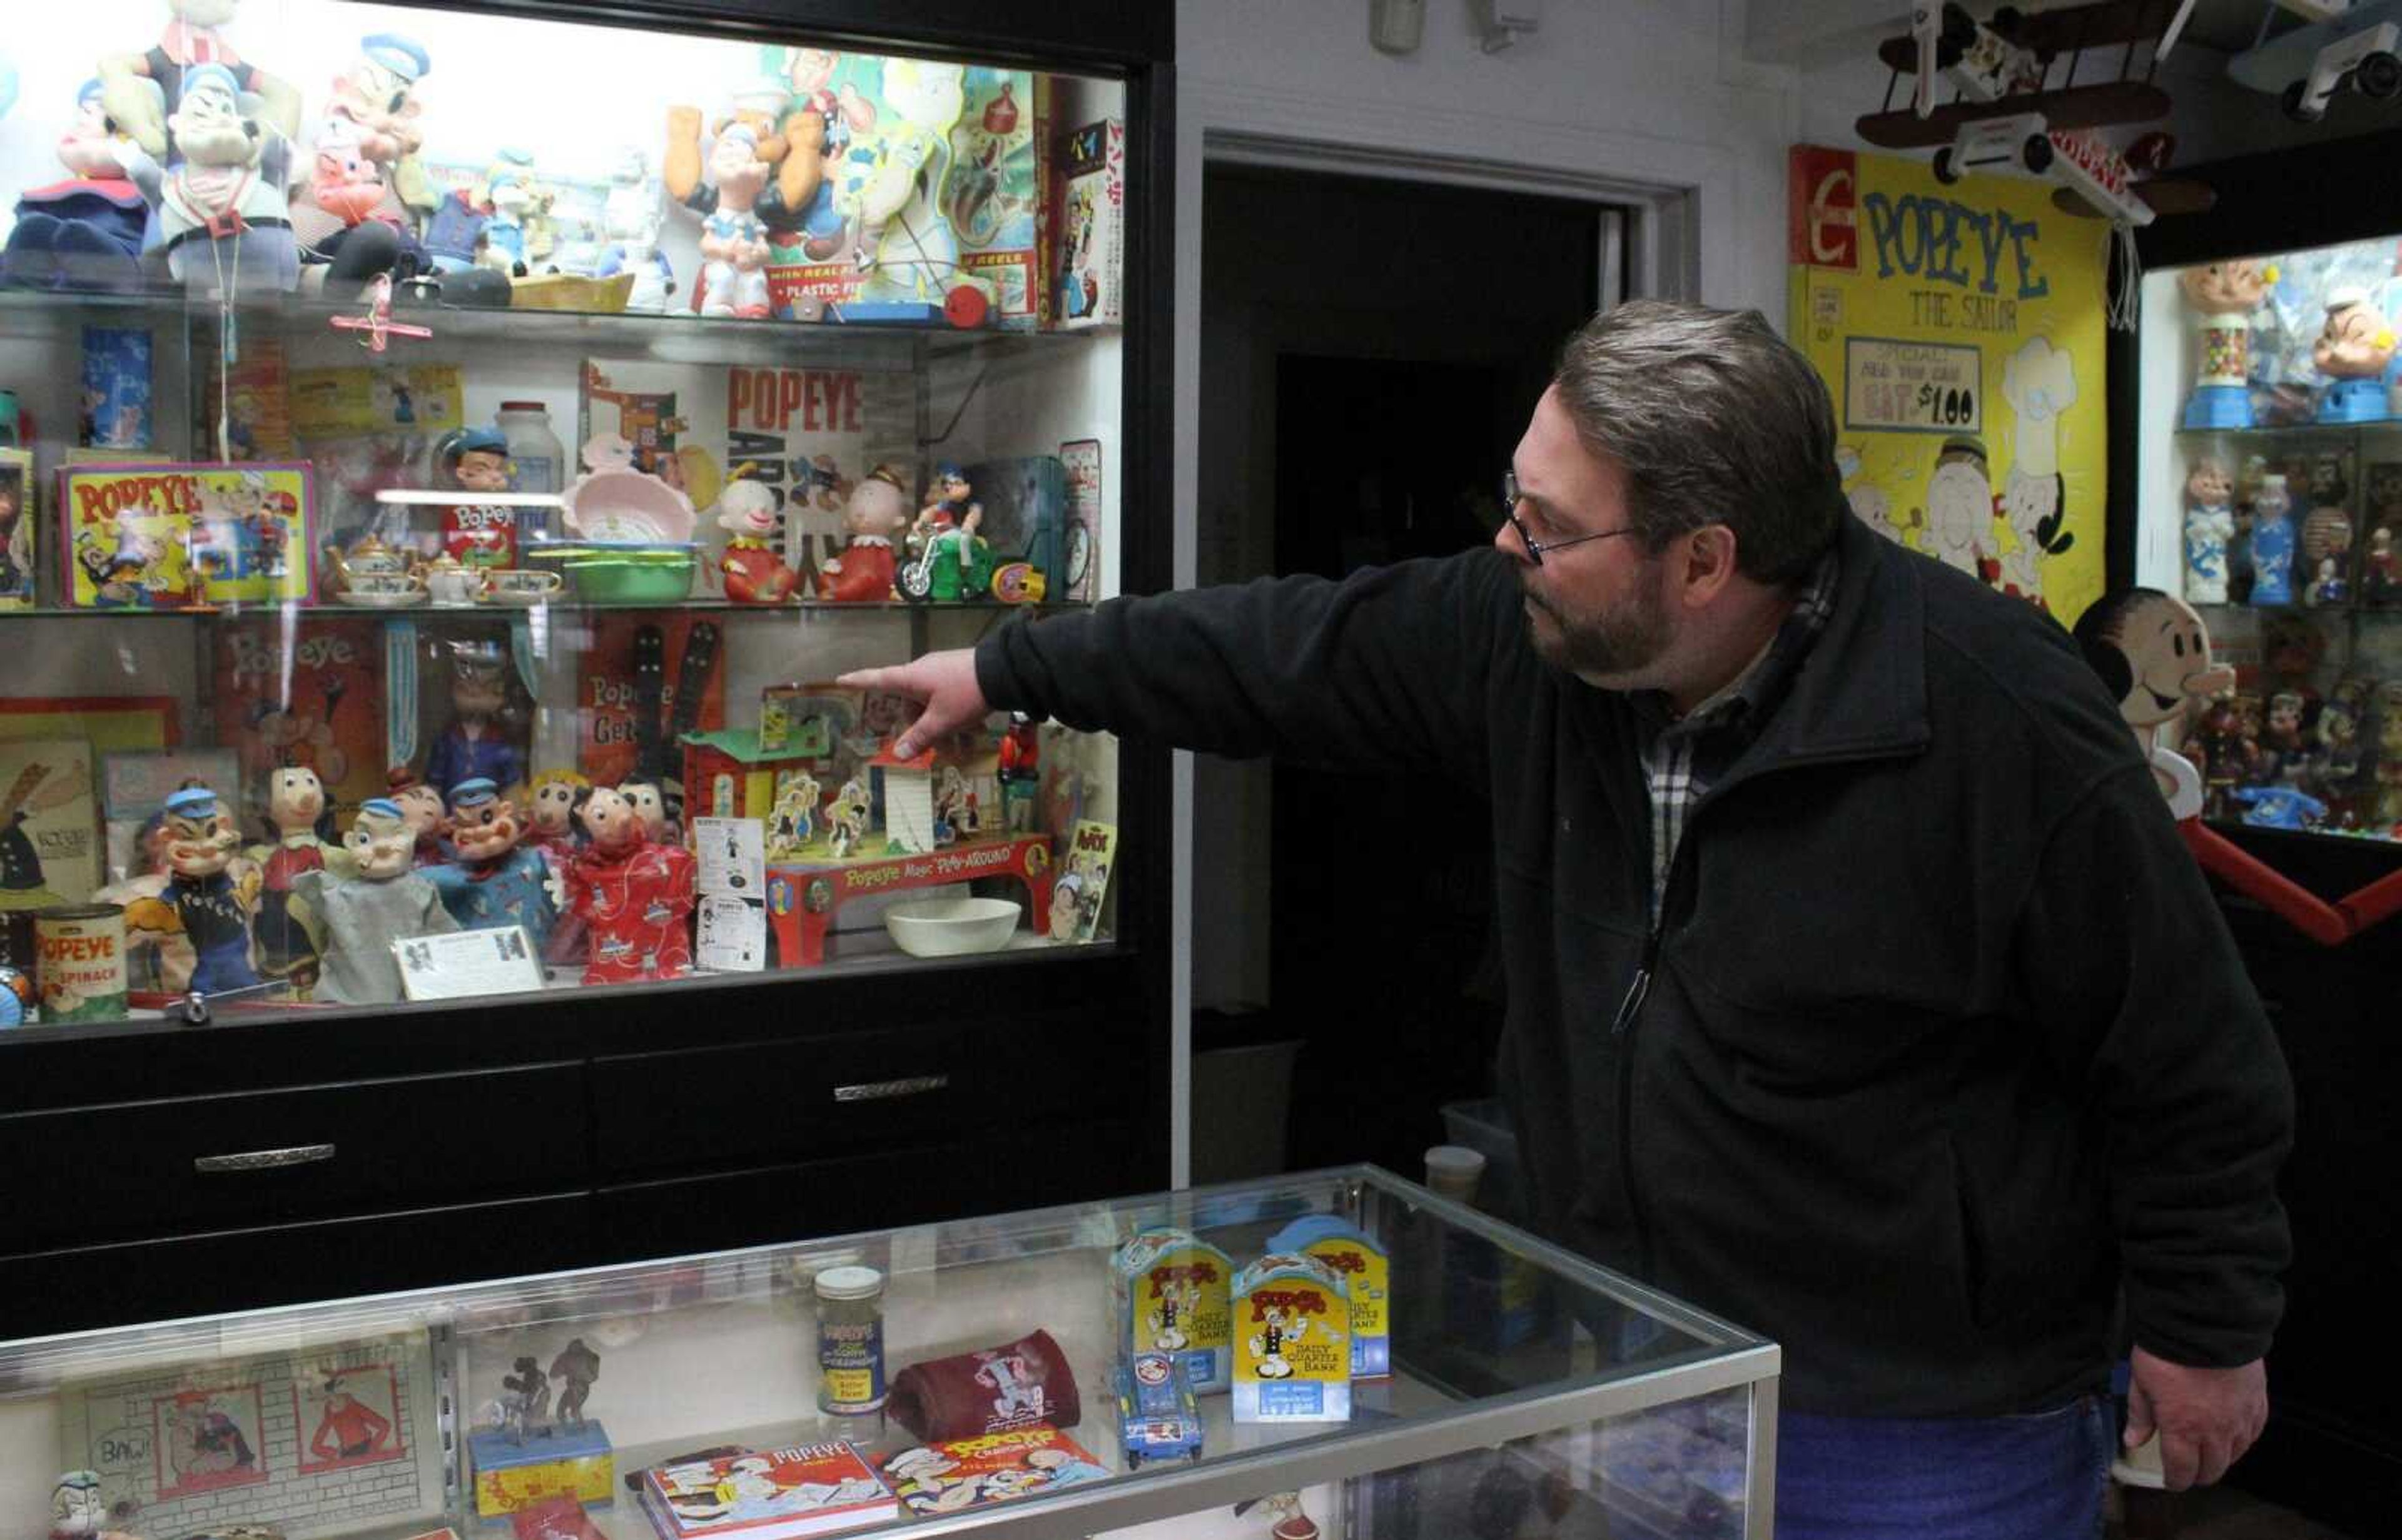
x: 634, y: 897
x: 2150, y: 648
x: 878, y: 511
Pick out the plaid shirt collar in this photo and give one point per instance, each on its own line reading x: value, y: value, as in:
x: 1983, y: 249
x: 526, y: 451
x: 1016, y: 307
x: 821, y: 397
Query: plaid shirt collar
x: 1683, y: 757
x: 1754, y: 695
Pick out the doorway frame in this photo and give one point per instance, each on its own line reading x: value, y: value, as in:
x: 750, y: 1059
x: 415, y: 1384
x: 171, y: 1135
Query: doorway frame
x: 1683, y: 198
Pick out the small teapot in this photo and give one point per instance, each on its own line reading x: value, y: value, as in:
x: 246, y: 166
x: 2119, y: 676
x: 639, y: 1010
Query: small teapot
x: 370, y: 557
x: 451, y: 584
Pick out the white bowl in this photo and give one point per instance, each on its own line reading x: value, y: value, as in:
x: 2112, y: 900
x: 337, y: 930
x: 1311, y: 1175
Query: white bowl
x: 946, y: 927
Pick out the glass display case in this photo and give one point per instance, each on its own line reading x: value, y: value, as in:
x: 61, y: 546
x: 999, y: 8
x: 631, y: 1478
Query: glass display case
x: 995, y: 1374
x: 510, y: 476
x: 449, y: 455
x: 2270, y: 499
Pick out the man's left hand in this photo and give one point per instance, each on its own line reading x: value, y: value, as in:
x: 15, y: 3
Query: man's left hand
x: 2206, y: 1417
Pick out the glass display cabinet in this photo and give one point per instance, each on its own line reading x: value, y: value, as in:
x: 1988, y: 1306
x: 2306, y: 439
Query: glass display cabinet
x: 2270, y: 499
x: 450, y: 456
x: 1522, y: 1392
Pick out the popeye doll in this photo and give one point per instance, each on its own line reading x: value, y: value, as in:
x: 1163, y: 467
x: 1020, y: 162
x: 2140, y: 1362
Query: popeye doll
x: 497, y: 881
x: 476, y: 743
x: 213, y: 908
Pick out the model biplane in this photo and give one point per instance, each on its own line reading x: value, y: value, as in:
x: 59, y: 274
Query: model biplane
x: 2017, y: 104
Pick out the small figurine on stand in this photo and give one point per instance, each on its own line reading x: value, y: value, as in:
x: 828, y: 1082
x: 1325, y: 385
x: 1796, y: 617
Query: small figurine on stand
x: 755, y: 573
x: 295, y: 800
x: 527, y: 1401
x: 2209, y: 526
x: 847, y: 818
x: 2282, y: 739
x: 2380, y: 574
x: 2222, y: 296
x: 633, y: 896
x: 2328, y: 586
x: 2335, y: 770
x: 878, y: 511
x: 2352, y: 350
x: 496, y: 881
x: 578, y: 1366
x: 631, y: 218
x: 222, y: 216
x: 481, y: 534
x: 2272, y: 543
x: 375, y: 902
x: 85, y: 232
x: 476, y: 743
x: 1021, y: 772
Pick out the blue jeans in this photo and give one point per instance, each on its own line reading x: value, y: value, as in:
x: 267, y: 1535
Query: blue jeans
x: 2036, y: 1476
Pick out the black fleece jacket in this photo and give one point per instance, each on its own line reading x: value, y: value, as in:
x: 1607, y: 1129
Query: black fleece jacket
x: 1943, y: 1039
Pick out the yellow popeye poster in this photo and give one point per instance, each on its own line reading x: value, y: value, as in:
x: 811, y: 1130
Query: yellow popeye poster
x: 1960, y: 330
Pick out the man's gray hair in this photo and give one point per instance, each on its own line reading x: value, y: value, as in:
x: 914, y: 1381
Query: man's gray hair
x: 1717, y: 421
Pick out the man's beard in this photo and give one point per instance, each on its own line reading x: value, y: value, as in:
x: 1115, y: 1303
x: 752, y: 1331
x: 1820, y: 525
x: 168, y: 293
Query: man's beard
x: 1619, y: 640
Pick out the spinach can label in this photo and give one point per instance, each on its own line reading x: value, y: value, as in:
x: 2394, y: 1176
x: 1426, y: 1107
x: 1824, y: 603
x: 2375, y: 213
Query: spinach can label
x: 850, y: 1366
x: 81, y: 967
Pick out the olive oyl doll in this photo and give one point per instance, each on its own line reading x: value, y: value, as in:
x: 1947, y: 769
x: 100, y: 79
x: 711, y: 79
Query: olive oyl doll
x: 635, y: 897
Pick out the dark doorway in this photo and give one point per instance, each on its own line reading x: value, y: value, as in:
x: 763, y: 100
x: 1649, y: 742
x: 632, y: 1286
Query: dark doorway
x: 1370, y: 353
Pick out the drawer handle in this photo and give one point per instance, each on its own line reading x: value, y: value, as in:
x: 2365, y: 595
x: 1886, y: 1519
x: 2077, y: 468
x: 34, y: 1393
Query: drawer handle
x: 263, y: 1160
x: 877, y: 1090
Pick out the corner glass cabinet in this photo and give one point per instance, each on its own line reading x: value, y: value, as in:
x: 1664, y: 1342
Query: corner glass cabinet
x: 1526, y: 1392
x: 2270, y: 499
x: 447, y: 460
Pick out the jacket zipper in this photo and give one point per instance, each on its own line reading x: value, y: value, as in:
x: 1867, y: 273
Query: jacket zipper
x: 1638, y: 990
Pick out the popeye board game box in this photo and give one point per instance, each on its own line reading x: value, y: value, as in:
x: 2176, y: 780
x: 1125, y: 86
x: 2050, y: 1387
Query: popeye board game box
x: 184, y: 535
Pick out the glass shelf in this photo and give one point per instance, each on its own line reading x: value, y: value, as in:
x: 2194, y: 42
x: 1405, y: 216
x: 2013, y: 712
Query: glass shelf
x: 2295, y: 429
x: 567, y: 606
x: 668, y: 334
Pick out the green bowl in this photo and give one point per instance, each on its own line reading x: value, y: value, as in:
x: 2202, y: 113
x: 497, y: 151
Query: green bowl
x: 652, y: 577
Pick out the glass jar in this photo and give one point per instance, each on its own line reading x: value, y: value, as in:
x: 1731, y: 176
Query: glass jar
x: 851, y: 1341
x: 537, y: 461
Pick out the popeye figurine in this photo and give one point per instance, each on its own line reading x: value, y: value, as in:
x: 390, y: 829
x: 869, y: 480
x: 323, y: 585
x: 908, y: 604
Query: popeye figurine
x: 497, y: 881
x: 211, y: 906
x: 475, y: 745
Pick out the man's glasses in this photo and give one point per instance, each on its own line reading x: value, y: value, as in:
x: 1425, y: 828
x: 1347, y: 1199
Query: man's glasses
x: 1512, y: 497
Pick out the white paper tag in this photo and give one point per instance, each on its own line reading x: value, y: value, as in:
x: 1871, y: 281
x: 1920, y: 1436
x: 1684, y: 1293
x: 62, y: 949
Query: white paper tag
x: 733, y: 934
x: 733, y: 857
x: 466, y: 963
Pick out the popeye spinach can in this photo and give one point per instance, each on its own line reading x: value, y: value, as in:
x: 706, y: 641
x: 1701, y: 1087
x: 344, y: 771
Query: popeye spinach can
x: 81, y: 962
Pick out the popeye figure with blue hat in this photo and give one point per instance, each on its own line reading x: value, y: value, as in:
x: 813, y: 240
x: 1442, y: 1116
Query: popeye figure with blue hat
x: 222, y: 219
x: 476, y: 743
x: 212, y: 907
x: 496, y: 881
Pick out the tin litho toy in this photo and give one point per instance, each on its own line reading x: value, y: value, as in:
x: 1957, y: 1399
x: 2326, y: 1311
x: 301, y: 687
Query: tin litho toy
x: 522, y: 1457
x: 1173, y: 1298
x: 1292, y: 1341
x: 1157, y: 1416
x: 169, y: 536
x: 1352, y: 1255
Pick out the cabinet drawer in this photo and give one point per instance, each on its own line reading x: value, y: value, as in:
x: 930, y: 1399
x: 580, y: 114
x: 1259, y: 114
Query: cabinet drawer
x: 253, y: 1269
x: 756, y: 1103
x: 133, y: 1170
